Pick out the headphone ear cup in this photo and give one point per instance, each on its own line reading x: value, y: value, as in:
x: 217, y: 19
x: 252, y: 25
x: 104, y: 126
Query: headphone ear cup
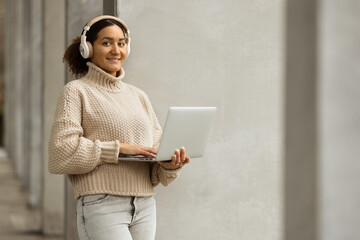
x: 90, y: 50
x: 84, y: 50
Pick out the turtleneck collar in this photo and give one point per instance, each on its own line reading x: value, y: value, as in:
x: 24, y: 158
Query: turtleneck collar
x: 103, y: 79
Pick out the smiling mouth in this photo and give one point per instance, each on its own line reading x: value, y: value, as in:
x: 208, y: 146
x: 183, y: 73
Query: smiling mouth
x: 114, y: 59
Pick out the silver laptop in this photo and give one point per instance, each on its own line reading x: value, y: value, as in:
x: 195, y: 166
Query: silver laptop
x: 187, y: 127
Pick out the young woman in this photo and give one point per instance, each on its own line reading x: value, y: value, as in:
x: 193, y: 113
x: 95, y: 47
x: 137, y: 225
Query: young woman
x: 97, y: 118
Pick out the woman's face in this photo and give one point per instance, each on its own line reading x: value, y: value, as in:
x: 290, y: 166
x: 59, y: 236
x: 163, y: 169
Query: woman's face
x: 110, y: 49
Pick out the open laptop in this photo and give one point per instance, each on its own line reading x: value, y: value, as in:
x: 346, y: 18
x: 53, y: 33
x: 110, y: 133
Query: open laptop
x: 184, y: 126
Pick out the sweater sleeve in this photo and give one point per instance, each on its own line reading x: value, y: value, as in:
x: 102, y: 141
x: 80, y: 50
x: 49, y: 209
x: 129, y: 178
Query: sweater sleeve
x: 164, y: 176
x: 69, y: 151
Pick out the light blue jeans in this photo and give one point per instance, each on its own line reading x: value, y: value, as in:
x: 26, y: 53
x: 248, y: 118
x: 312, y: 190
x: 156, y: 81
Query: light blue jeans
x: 104, y: 216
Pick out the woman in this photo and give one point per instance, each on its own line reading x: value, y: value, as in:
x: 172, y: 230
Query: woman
x: 97, y: 118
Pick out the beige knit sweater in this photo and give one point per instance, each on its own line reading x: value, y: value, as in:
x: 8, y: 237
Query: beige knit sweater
x: 93, y: 115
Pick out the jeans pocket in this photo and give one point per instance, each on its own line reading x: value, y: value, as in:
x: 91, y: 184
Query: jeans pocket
x: 94, y: 199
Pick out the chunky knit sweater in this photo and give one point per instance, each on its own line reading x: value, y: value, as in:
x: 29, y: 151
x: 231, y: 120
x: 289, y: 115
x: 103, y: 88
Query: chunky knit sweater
x: 93, y: 115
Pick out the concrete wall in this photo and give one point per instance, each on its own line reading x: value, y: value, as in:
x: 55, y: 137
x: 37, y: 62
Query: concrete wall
x: 300, y: 125
x: 36, y: 113
x: 339, y: 118
x: 18, y: 100
x: 9, y: 79
x: 54, y: 79
x: 227, y: 54
x: 19, y: 104
x: 33, y: 28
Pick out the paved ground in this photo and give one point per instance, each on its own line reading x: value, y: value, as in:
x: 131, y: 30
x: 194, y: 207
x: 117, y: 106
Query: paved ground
x: 17, y: 221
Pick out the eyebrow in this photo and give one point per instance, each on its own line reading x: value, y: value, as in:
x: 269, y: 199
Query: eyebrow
x: 109, y: 38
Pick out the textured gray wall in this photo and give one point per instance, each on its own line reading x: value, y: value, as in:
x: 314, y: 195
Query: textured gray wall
x: 227, y: 54
x: 300, y: 158
x: 18, y: 107
x: 36, y: 90
x: 54, y: 79
x: 339, y: 119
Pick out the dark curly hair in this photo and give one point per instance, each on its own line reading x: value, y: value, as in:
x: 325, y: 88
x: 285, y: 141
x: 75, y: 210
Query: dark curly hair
x: 72, y: 56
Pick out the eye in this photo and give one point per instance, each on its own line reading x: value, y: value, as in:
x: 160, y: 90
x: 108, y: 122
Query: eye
x: 106, y: 43
x: 121, y: 44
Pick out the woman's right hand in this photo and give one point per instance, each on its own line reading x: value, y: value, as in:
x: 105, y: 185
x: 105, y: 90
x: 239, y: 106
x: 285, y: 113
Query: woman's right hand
x: 131, y: 149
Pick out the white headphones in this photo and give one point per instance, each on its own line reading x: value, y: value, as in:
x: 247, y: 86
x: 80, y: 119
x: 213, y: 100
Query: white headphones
x: 86, y: 49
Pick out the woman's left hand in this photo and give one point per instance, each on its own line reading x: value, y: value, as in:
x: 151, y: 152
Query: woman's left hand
x: 178, y: 160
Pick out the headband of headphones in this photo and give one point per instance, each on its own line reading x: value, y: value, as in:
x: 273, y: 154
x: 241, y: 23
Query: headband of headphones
x: 86, y: 49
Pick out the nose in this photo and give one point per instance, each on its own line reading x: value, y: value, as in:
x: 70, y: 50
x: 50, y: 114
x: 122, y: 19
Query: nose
x: 115, y: 49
